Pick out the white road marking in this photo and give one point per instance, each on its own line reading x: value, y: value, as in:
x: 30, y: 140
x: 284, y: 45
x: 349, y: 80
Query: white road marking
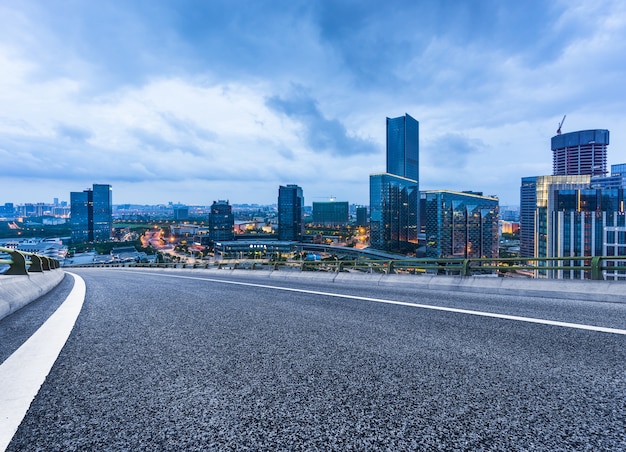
x: 23, y: 373
x: 579, y: 326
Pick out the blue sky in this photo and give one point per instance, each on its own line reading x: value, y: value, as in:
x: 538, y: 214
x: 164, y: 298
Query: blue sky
x: 192, y: 101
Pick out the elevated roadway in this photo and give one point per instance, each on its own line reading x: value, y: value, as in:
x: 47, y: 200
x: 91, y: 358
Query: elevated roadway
x: 220, y: 360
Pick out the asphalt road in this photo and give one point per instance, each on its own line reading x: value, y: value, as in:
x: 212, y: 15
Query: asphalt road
x: 158, y: 362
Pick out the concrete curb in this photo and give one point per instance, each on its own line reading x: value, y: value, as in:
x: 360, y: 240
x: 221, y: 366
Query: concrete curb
x: 584, y: 290
x: 16, y: 291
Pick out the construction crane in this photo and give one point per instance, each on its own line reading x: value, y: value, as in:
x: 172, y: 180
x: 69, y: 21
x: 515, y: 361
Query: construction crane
x: 558, y: 131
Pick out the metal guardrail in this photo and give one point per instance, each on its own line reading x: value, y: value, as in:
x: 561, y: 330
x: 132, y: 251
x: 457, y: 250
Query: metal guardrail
x: 23, y: 262
x: 596, y: 266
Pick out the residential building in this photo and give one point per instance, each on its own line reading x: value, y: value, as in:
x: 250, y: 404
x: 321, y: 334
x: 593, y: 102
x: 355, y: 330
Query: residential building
x: 332, y: 213
x: 580, y: 153
x: 221, y: 221
x: 290, y: 213
x: 460, y: 224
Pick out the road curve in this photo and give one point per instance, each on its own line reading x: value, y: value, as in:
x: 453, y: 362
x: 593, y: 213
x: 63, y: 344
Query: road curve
x: 161, y: 362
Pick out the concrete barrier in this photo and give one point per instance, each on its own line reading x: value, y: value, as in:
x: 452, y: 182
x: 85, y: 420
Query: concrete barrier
x: 585, y: 290
x: 17, y: 291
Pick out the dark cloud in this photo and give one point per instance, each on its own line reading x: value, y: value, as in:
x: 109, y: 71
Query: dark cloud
x: 320, y: 134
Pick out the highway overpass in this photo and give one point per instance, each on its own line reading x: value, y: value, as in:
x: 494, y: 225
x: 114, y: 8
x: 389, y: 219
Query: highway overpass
x: 248, y: 360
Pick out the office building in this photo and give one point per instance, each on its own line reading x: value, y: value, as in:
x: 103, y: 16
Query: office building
x: 290, y: 213
x: 394, y: 195
x: 221, y: 221
x: 587, y: 222
x: 459, y: 224
x: 91, y: 217
x: 361, y: 216
x: 536, y: 201
x: 580, y: 153
x: 393, y: 213
x: 403, y: 147
x: 333, y: 213
x: 617, y: 179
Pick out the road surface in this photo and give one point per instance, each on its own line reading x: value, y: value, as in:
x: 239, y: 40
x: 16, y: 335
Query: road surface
x: 180, y: 360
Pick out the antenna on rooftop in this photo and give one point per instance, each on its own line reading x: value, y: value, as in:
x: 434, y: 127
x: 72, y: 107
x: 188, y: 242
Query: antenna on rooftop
x: 558, y: 131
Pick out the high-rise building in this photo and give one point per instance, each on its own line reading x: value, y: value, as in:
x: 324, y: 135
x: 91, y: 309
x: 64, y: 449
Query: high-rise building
x: 403, y: 147
x: 361, y: 216
x: 617, y: 179
x: 290, y: 213
x: 393, y: 213
x: 580, y: 153
x: 221, y: 221
x: 91, y: 216
x: 587, y: 222
x: 394, y: 195
x: 332, y: 213
x: 102, y: 212
x: 460, y: 224
x: 536, y: 200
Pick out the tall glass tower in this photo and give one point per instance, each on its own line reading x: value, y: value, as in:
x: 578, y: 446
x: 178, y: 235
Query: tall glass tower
x: 403, y: 147
x: 394, y: 195
x: 102, y: 212
x: 290, y: 213
x: 92, y: 213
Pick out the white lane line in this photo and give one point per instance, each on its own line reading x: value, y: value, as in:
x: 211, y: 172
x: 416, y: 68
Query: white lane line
x: 579, y: 326
x: 23, y: 373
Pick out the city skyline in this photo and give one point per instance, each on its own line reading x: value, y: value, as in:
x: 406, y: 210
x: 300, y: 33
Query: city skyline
x: 190, y: 102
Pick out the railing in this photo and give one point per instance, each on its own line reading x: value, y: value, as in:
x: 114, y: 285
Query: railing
x: 22, y: 262
x: 594, y: 267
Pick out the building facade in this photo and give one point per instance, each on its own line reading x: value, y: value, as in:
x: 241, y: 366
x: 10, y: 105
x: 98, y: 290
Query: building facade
x: 403, y: 147
x: 333, y: 213
x: 460, y: 225
x: 221, y: 221
x: 393, y: 213
x: 91, y: 217
x: 290, y: 213
x: 580, y: 153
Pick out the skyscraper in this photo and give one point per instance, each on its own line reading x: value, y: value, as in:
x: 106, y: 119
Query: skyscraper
x: 290, y: 213
x: 91, y: 215
x: 394, y: 195
x: 102, y: 211
x: 221, y: 221
x: 580, y: 153
x: 403, y: 147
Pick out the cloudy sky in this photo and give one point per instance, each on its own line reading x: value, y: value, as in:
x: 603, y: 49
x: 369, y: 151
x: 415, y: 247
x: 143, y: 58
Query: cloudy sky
x: 197, y: 100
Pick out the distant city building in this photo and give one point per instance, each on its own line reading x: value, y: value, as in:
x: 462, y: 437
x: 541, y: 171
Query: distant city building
x: 91, y: 217
x: 580, y: 153
x: 290, y: 213
x: 394, y: 195
x: 221, y: 221
x: 332, y: 213
x: 181, y: 213
x: 361, y: 216
x: 460, y: 224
